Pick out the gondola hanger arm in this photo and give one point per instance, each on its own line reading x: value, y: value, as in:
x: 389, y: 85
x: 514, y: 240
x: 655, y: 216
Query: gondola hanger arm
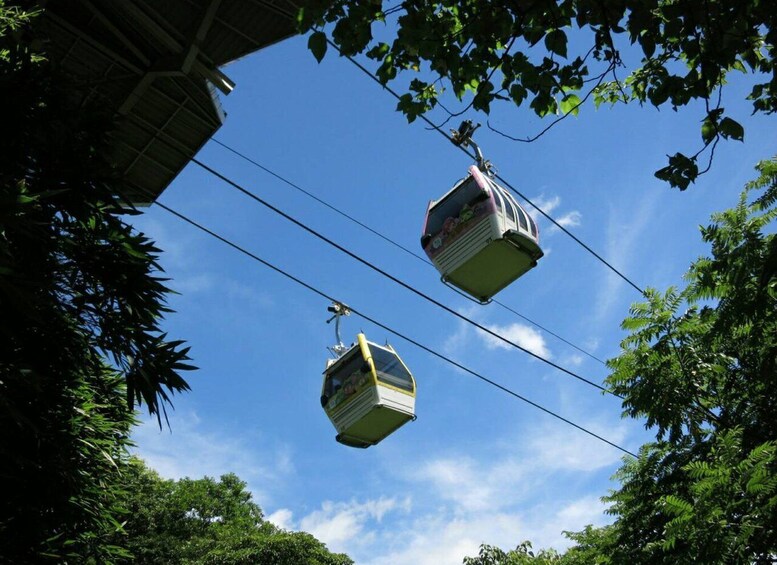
x: 462, y: 137
x: 338, y: 309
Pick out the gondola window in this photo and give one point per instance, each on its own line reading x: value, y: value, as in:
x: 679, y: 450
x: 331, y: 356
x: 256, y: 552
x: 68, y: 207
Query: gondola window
x: 451, y: 206
x: 334, y: 382
x: 390, y: 369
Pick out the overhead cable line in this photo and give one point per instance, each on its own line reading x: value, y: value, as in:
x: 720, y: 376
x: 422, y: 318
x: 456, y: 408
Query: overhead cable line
x: 398, y: 281
x: 465, y: 151
x: 566, y: 231
x: 504, y: 182
x: 499, y: 177
x: 142, y: 123
x: 389, y: 240
x: 389, y: 329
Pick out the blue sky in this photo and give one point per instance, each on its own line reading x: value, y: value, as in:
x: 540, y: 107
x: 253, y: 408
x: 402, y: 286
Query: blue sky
x: 478, y: 466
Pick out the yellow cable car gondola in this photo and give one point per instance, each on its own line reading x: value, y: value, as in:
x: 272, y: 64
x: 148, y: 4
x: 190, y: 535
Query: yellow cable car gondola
x: 477, y: 235
x: 368, y: 392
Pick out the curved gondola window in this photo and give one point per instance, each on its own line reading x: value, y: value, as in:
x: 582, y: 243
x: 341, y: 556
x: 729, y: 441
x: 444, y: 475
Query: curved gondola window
x: 509, y: 209
x: 533, y: 227
x: 451, y: 205
x: 390, y: 369
x: 498, y: 200
x: 338, y: 375
x: 522, y: 219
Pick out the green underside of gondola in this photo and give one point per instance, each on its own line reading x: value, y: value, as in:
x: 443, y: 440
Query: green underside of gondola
x: 375, y: 426
x: 495, y: 267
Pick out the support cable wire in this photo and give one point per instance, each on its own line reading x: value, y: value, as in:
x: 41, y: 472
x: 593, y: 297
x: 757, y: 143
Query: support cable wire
x: 511, y: 187
x: 391, y: 241
x: 398, y: 281
x: 142, y: 123
x: 464, y: 149
x: 499, y: 177
x: 388, y: 329
x: 508, y: 185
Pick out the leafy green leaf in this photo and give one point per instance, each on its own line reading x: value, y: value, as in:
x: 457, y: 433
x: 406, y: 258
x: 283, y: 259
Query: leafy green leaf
x: 648, y: 44
x: 570, y: 104
x: 680, y: 172
x: 732, y: 129
x: 317, y: 44
x: 378, y: 52
x: 708, y: 131
x: 556, y: 42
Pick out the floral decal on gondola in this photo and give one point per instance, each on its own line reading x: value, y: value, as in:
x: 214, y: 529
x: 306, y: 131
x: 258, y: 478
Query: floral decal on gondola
x: 351, y: 385
x: 455, y: 227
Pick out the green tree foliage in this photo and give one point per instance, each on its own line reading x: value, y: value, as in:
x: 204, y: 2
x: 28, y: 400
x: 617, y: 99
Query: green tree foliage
x: 209, y: 522
x: 593, y: 546
x: 552, y: 55
x: 521, y: 555
x: 700, y: 365
x: 61, y: 466
x: 80, y: 307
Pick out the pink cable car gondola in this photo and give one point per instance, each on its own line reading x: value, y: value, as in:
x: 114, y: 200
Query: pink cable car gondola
x: 477, y: 235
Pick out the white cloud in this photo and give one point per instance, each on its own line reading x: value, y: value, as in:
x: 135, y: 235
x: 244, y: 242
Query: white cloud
x: 501, y: 513
x: 243, y: 296
x: 592, y: 343
x: 546, y: 204
x: 465, y: 483
x: 237, y: 295
x: 624, y: 233
x: 548, y: 522
x: 525, y: 336
x: 176, y: 247
x: 441, y: 539
x: 549, y: 205
x: 191, y: 451
x: 444, y: 536
x: 582, y: 512
x: 455, y: 341
x: 570, y: 219
x: 196, y: 283
x: 453, y: 502
x: 342, y: 524
x: 513, y: 479
x: 573, y: 361
x: 283, y: 518
x: 188, y: 277
x: 559, y: 448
